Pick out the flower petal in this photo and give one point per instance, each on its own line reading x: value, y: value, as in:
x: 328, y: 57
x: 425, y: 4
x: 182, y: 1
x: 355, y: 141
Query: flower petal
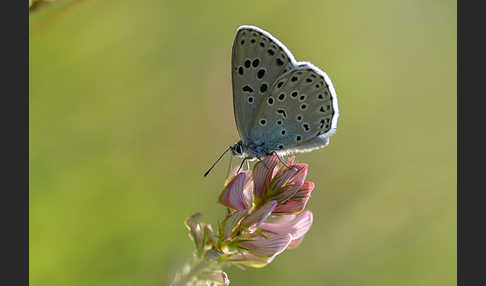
x: 290, y: 163
x: 259, y: 216
x: 297, y: 226
x: 281, y: 180
x: 292, y: 179
x: 233, y: 195
x: 299, y: 178
x: 296, y: 202
x: 195, y: 231
x: 232, y: 221
x: 248, y: 188
x: 296, y: 242
x: 271, y: 246
x: 248, y: 259
x: 262, y: 174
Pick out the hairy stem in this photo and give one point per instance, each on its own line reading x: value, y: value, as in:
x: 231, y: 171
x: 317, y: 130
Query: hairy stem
x: 199, y: 266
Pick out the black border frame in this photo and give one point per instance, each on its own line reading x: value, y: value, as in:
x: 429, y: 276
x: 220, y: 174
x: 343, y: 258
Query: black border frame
x: 470, y: 145
x: 14, y: 20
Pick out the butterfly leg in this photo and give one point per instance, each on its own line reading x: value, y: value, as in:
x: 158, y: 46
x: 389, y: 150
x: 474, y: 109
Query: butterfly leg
x: 280, y: 159
x: 229, y: 166
x: 263, y: 162
x: 242, y: 162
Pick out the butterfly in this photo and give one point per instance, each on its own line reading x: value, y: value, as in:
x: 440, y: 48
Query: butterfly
x: 281, y: 106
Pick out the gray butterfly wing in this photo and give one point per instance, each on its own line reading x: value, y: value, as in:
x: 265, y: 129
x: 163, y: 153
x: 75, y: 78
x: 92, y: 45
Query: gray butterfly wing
x: 300, y: 107
x: 310, y: 145
x: 258, y: 59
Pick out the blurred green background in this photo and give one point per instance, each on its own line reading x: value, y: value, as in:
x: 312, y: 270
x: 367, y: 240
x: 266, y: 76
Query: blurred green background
x: 130, y: 102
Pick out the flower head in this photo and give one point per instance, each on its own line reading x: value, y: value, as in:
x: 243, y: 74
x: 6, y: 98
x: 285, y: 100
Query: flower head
x: 253, y: 199
x: 265, y: 217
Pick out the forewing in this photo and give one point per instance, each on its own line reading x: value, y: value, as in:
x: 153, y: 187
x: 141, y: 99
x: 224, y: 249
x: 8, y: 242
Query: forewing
x: 258, y: 59
x: 300, y: 106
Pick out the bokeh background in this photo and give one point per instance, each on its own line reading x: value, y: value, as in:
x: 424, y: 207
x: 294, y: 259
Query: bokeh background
x: 131, y: 101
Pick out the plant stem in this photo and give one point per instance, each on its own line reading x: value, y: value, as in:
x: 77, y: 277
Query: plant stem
x: 196, y: 268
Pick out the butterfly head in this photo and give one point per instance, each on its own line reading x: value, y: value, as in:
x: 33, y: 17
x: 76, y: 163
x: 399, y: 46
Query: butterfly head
x: 238, y: 149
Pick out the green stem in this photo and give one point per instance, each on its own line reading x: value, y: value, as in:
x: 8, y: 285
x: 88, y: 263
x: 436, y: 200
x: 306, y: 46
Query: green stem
x: 196, y: 268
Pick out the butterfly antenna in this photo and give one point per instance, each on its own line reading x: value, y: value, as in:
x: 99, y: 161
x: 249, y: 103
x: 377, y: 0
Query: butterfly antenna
x: 207, y: 172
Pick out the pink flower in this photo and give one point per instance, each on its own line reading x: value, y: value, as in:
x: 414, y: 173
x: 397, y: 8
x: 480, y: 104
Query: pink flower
x: 258, y: 216
x: 248, y: 259
x: 265, y: 184
x: 232, y: 222
x: 255, y: 197
x: 267, y: 246
x: 195, y: 230
x: 263, y: 172
x: 238, y: 193
x: 282, y: 184
x: 297, y: 202
x: 295, y: 225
